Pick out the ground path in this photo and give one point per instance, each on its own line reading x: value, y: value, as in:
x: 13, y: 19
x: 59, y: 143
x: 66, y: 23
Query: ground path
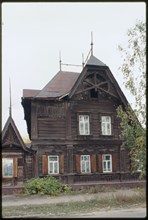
x: 18, y: 200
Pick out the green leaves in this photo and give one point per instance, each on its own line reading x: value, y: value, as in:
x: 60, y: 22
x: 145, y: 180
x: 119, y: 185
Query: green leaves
x: 46, y: 186
x: 134, y: 67
x: 134, y: 136
x: 133, y: 122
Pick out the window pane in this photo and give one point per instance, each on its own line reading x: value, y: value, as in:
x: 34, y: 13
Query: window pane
x: 83, y: 166
x: 107, y: 157
x: 87, y: 166
x: 51, y: 167
x: 7, y: 166
x: 103, y: 129
x: 80, y: 118
x: 107, y: 118
x: 81, y: 128
x: 108, y: 165
x: 84, y: 124
x: 53, y: 164
x: 55, y: 167
x: 103, y: 119
x: 86, y: 118
x: 104, y: 165
x: 53, y: 158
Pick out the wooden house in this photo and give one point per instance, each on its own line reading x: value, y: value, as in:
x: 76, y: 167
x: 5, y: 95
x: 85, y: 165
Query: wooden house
x: 17, y: 159
x: 73, y: 125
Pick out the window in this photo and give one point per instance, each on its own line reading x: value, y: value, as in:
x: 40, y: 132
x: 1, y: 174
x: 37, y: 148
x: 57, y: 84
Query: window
x: 106, y: 125
x: 85, y: 163
x: 7, y: 167
x: 107, y: 163
x: 93, y: 93
x: 84, y: 125
x: 53, y: 164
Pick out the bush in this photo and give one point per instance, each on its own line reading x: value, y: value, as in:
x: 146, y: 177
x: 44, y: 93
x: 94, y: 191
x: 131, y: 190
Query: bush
x: 46, y: 186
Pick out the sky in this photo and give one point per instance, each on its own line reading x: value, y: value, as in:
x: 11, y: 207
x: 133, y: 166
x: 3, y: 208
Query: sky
x: 33, y: 34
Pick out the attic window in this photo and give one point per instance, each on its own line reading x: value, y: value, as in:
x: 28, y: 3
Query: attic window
x: 93, y: 93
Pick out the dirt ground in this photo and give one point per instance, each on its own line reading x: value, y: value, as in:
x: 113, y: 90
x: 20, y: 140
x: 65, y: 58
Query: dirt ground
x: 17, y: 200
x: 133, y: 212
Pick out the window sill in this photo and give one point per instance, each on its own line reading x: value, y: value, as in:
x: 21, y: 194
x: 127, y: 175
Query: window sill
x: 7, y: 177
x: 104, y: 172
x: 104, y: 135
x: 85, y: 136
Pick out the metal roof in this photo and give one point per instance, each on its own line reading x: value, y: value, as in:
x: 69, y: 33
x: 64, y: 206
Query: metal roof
x: 30, y: 92
x: 94, y: 61
x: 60, y: 85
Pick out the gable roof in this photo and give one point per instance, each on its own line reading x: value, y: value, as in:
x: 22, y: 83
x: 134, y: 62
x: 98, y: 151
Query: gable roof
x: 11, y: 135
x: 95, y: 61
x: 65, y: 83
x: 60, y: 85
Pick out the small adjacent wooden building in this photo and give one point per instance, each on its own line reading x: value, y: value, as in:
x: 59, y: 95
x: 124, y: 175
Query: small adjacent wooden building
x: 17, y: 159
x: 74, y: 129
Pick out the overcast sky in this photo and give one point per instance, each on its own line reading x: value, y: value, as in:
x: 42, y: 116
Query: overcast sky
x: 34, y: 33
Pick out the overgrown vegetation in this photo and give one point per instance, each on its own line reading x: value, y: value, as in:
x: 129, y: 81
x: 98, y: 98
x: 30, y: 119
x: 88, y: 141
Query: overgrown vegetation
x: 45, y: 186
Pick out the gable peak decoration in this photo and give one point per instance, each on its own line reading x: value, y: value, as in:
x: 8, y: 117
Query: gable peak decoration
x: 10, y: 107
x: 93, y: 61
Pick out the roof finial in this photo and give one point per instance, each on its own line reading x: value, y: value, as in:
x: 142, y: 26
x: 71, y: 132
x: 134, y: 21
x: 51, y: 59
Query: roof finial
x: 10, y: 107
x: 91, y: 43
x: 82, y: 60
x: 60, y: 59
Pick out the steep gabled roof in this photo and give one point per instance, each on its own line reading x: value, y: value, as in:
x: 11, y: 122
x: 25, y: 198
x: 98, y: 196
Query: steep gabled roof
x: 65, y: 83
x: 93, y: 62
x: 11, y: 135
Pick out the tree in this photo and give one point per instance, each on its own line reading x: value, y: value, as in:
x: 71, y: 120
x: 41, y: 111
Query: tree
x: 133, y: 119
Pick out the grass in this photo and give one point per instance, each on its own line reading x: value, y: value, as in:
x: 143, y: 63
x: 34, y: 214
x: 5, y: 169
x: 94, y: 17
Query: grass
x: 114, y: 201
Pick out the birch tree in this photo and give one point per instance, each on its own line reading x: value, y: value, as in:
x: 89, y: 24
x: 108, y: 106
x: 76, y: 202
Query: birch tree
x: 133, y: 119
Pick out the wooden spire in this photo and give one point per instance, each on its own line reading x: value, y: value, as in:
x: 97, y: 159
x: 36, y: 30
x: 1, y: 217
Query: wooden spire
x: 91, y: 43
x: 10, y: 107
x: 60, y: 62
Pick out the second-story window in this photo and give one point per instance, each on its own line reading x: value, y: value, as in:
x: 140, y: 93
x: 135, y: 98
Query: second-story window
x: 106, y: 125
x: 84, y: 128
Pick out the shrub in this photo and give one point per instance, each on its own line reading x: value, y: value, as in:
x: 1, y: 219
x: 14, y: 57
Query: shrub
x: 47, y: 185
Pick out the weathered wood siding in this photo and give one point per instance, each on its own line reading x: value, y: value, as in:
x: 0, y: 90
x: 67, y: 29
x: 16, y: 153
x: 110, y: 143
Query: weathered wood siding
x: 51, y: 128
x: 95, y: 110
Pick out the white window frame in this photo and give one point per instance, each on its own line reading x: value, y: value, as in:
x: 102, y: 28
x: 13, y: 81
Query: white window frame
x: 84, y: 124
x: 5, y: 162
x: 85, y: 164
x: 105, y: 163
x: 106, y: 125
x: 53, y: 164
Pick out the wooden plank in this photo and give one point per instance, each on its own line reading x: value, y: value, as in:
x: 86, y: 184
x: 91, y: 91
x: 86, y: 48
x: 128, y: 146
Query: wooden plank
x: 100, y: 163
x: 93, y: 163
x: 78, y: 169
x: 44, y: 164
x: 15, y: 170
x: 61, y: 164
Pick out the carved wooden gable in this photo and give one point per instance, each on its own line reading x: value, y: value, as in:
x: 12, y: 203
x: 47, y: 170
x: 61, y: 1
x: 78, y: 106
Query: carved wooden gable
x: 95, y: 85
x: 10, y: 134
x: 96, y: 82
